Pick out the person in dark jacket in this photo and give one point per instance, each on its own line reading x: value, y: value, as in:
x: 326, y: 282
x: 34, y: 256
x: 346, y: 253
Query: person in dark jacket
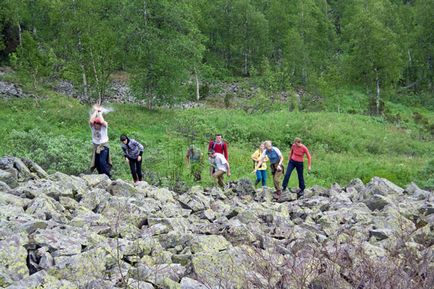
x: 133, y: 151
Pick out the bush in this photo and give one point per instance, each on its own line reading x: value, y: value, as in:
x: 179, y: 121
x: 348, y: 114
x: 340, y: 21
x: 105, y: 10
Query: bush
x: 52, y: 152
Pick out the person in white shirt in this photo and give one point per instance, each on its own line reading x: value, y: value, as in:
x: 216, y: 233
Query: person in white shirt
x: 101, y: 160
x: 221, y: 167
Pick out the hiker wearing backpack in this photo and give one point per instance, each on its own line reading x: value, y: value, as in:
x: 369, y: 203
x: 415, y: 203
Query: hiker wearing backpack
x: 133, y: 151
x: 296, y: 158
x: 220, y: 165
x: 219, y: 146
x: 101, y: 160
x: 194, y: 158
x: 276, y: 160
x: 261, y: 172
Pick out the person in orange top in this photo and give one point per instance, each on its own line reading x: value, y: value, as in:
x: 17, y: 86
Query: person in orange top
x: 296, y: 158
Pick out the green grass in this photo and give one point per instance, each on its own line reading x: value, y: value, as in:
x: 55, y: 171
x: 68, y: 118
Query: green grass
x: 54, y: 132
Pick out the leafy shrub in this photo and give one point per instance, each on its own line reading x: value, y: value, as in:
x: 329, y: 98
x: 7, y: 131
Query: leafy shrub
x: 52, y: 152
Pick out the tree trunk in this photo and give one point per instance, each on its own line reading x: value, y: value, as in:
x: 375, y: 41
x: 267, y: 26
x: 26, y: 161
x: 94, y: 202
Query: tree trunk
x: 246, y: 64
x: 98, y: 85
x: 377, y: 94
x: 20, y: 31
x: 80, y: 49
x: 83, y: 70
x: 431, y: 74
x: 196, y: 77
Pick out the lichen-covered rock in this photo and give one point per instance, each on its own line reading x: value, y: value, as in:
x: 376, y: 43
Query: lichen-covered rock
x: 380, y: 186
x: 162, y: 195
x: 160, y: 275
x: 101, y: 181
x: 35, y: 168
x: 46, y: 208
x: 95, y: 199
x: 42, y: 279
x: 81, y: 268
x: 4, y: 188
x: 378, y: 202
x: 209, y: 243
x: 68, y: 183
x: 188, y: 283
x: 219, y: 269
x: 413, y: 190
x: 62, y: 241
x: 13, y: 254
x: 122, y: 188
x: 8, y: 178
x: 89, y: 232
x: 196, y: 202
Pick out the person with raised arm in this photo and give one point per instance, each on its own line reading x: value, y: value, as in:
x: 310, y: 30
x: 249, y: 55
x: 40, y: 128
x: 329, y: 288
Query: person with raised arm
x: 101, y: 160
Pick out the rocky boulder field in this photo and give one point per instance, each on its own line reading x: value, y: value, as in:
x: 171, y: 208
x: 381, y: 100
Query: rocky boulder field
x: 61, y: 231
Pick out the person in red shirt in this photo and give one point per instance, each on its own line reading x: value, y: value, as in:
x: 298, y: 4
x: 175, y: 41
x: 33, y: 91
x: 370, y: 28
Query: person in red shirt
x: 296, y: 158
x: 219, y: 146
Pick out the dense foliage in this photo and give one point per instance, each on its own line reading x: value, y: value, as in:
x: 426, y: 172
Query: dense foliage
x: 167, y: 45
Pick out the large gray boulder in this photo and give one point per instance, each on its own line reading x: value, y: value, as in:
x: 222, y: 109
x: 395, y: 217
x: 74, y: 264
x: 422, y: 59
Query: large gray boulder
x: 195, y: 201
x: 100, y: 181
x: 380, y: 186
x: 45, y: 208
x: 188, y: 283
x: 8, y: 178
x: 13, y: 266
x: 209, y: 243
x: 419, y: 194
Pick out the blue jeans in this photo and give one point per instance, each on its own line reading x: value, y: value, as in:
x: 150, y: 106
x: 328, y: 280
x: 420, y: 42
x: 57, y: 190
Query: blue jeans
x: 261, y: 175
x: 102, y: 162
x: 299, y: 167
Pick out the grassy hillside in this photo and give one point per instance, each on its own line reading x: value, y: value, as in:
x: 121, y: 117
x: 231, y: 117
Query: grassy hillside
x: 54, y: 132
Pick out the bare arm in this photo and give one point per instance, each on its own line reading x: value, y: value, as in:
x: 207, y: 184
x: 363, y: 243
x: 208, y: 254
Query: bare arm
x: 261, y: 160
x: 93, y: 116
x: 97, y: 114
x: 309, y: 159
x: 229, y: 169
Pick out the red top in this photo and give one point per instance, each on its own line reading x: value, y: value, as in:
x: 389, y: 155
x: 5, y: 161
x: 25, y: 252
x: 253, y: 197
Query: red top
x: 297, y: 153
x: 221, y: 148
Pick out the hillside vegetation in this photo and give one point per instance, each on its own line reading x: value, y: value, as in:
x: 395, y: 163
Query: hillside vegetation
x: 53, y: 131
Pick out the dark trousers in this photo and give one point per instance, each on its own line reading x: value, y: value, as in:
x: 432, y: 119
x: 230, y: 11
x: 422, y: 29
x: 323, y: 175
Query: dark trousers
x: 136, y: 169
x: 291, y: 166
x: 102, y: 162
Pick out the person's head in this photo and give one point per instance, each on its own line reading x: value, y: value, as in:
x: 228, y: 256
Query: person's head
x: 268, y: 145
x: 97, y: 123
x: 218, y: 137
x: 124, y: 139
x: 297, y: 141
x: 211, y: 153
x: 262, y: 147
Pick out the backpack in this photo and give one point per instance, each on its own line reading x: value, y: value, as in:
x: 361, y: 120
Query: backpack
x: 194, y: 154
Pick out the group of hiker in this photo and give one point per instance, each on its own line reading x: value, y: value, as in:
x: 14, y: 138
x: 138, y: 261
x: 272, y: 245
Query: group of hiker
x: 218, y: 158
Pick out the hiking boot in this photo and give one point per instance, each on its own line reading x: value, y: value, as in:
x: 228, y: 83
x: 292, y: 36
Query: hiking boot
x: 277, y: 194
x: 300, y: 194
